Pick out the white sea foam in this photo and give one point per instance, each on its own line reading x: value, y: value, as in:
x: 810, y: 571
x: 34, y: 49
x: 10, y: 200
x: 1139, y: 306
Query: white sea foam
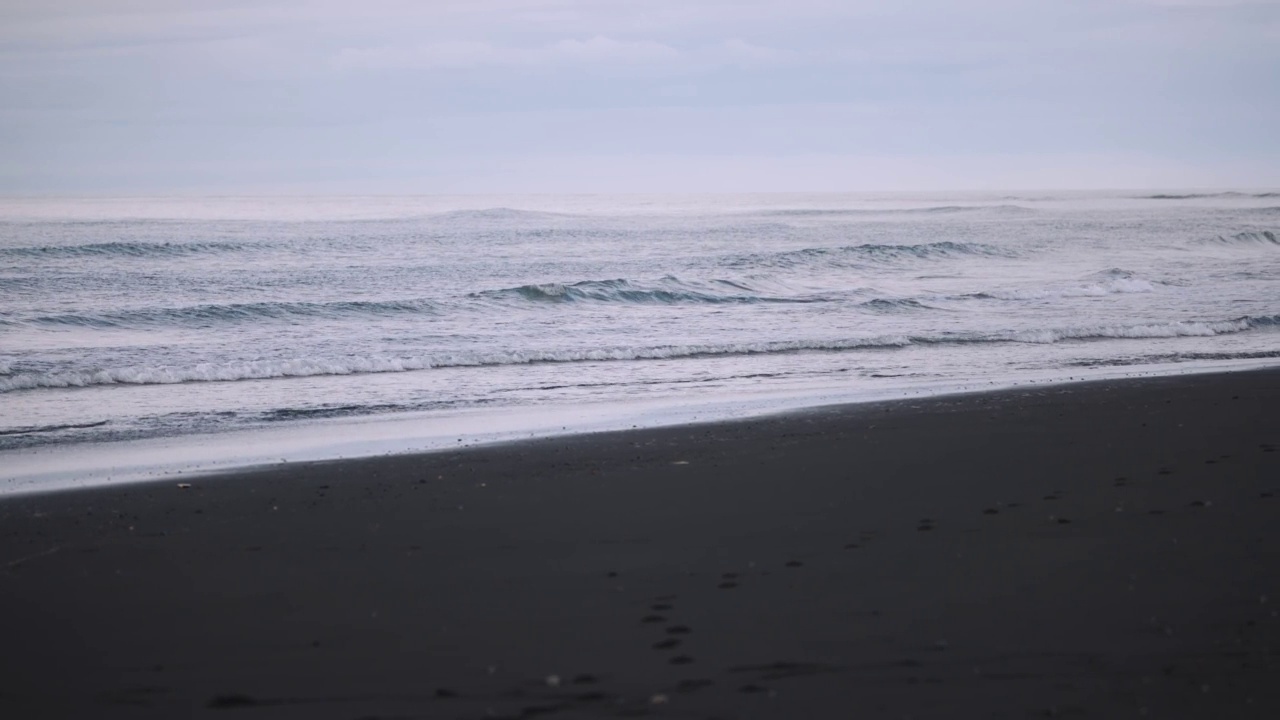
x: 1156, y: 330
x: 1115, y: 286
x: 305, y: 367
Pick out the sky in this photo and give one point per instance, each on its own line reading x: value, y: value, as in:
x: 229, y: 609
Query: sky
x: 118, y: 97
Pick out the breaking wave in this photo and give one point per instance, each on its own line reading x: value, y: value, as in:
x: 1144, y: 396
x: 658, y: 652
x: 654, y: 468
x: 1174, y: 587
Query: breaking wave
x: 1255, y: 237
x: 870, y: 253
x: 306, y: 367
x: 668, y: 290
x: 895, y: 305
x: 1199, y: 196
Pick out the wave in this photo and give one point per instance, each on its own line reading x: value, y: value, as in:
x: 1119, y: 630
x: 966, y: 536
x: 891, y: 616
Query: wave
x: 127, y: 249
x: 668, y: 290
x: 895, y: 305
x: 330, y: 411
x: 503, y: 214
x: 307, y: 367
x: 1110, y: 282
x: 1199, y: 196
x: 1255, y: 237
x: 936, y: 210
x: 34, y: 430
x: 1177, y: 357
x: 870, y: 253
x: 207, y: 315
x: 1154, y: 330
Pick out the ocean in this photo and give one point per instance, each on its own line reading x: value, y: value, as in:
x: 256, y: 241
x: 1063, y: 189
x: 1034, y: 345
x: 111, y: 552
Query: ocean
x: 312, y: 325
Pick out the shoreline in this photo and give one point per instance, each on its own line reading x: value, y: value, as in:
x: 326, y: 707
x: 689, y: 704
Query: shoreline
x: 1102, y: 548
x: 60, y: 467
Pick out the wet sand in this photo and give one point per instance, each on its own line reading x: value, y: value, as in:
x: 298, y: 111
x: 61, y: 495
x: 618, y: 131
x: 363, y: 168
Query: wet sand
x: 1106, y: 549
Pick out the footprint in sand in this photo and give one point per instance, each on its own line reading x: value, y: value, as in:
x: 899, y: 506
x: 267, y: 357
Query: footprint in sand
x: 692, y: 685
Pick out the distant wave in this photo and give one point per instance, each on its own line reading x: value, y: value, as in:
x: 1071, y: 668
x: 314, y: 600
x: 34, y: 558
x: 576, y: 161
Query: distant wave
x: 1257, y: 237
x: 1198, y: 196
x: 869, y: 253
x: 207, y: 315
x: 305, y: 367
x: 936, y: 210
x: 494, y: 214
x: 126, y: 249
x: 668, y: 290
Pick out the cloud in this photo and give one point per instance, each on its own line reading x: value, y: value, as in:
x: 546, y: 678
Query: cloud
x: 152, y: 90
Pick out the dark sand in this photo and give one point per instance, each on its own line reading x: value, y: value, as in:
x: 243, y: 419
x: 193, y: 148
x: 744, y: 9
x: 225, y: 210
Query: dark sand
x: 1095, y: 550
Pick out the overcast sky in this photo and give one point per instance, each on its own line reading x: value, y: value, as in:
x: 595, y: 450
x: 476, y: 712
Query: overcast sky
x: 438, y: 96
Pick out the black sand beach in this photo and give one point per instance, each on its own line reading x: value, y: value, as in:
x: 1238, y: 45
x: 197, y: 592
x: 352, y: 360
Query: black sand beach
x: 1108, y: 549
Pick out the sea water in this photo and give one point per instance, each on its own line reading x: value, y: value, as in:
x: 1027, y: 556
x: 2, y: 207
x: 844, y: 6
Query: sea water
x: 152, y: 320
